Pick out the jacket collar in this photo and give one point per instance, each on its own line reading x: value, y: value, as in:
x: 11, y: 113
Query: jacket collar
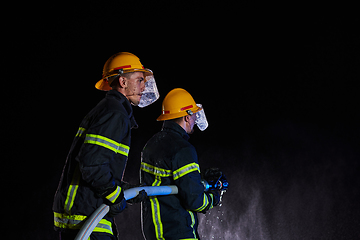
x: 127, y: 106
x: 170, y: 126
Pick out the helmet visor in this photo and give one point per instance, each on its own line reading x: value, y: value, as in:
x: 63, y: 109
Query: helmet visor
x: 201, y: 120
x: 150, y: 94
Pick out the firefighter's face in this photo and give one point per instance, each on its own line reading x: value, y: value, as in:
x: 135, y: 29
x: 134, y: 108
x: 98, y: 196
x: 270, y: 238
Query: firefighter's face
x: 190, y: 123
x: 134, y: 86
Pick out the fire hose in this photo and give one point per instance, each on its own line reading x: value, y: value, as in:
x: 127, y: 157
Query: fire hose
x: 101, y: 211
x: 215, y: 179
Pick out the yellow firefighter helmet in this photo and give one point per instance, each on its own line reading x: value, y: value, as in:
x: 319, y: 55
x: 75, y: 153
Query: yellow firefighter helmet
x: 123, y: 62
x: 177, y: 103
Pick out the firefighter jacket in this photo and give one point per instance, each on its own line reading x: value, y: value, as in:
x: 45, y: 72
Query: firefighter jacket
x: 95, y: 164
x: 169, y: 159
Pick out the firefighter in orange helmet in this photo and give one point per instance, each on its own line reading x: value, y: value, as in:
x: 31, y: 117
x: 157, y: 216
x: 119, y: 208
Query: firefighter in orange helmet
x: 169, y: 159
x: 96, y: 161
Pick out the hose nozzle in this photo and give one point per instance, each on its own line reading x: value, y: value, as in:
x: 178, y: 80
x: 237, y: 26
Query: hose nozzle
x: 214, y: 179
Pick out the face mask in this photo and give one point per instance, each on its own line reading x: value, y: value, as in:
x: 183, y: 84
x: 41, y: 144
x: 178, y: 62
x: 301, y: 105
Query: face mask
x: 150, y: 94
x: 201, y: 120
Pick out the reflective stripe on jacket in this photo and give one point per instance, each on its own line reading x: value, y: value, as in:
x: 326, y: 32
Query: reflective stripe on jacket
x: 167, y: 159
x: 95, y: 164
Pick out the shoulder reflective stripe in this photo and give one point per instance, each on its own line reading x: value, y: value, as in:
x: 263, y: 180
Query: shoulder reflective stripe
x: 76, y: 222
x: 81, y: 132
x: 191, y: 167
x: 74, y: 185
x: 155, y: 170
x: 204, y: 204
x: 107, y: 143
x: 192, y: 222
x: 114, y: 195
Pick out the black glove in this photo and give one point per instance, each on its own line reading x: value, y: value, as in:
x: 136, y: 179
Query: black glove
x: 117, y: 208
x: 215, y: 178
x: 212, y: 174
x: 141, y: 197
x: 216, y: 196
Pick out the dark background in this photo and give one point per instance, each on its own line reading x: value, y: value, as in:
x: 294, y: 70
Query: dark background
x: 278, y: 84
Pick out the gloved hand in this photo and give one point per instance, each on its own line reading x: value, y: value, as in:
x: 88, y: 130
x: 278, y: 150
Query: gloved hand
x: 215, y: 178
x: 141, y: 197
x: 212, y: 174
x: 117, y: 208
x: 216, y: 196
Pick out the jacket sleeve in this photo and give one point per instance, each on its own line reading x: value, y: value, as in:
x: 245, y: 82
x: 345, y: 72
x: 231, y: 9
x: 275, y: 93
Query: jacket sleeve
x: 102, y: 142
x: 186, y: 174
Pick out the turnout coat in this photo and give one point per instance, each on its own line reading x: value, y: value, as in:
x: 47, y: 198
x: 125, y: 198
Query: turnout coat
x: 95, y: 164
x: 169, y: 159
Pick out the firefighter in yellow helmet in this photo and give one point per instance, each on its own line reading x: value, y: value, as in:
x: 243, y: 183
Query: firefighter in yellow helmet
x: 141, y: 89
x: 169, y: 159
x: 96, y: 161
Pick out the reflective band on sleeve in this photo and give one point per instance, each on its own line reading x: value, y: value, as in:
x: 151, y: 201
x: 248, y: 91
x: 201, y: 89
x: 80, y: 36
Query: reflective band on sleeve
x: 114, y: 195
x: 107, y: 143
x: 212, y: 201
x: 191, y: 167
x: 161, y: 172
x: 62, y: 220
x: 81, y: 132
x: 205, y: 203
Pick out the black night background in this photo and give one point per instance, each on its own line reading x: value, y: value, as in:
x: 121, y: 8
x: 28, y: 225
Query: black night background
x: 278, y: 84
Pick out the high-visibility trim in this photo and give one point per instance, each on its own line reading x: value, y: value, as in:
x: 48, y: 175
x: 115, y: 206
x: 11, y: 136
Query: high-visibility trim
x: 191, y: 167
x: 155, y: 210
x: 63, y: 220
x: 114, y: 195
x: 204, y: 205
x: 72, y: 190
x: 107, y: 143
x: 211, y: 201
x: 161, y: 172
x: 192, y: 222
x: 81, y: 132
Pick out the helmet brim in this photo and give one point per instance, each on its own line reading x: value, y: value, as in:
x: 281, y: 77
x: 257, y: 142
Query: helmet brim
x: 104, y: 85
x: 169, y: 116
